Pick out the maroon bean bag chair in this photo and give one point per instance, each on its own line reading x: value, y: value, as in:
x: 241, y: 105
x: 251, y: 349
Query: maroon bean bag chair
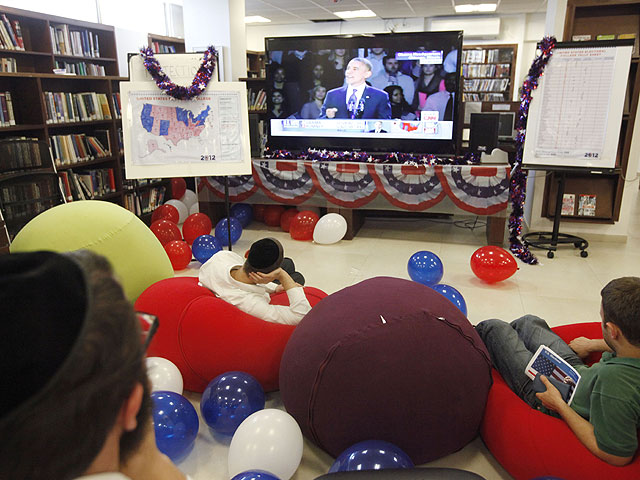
x: 386, y: 359
x: 530, y: 444
x: 205, y: 336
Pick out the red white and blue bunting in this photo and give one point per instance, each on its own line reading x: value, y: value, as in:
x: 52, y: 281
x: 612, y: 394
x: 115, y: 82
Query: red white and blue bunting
x: 408, y: 187
x: 479, y: 190
x: 346, y: 184
x: 284, y: 181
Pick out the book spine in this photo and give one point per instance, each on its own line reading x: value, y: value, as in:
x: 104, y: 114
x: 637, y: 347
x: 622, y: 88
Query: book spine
x: 18, y: 32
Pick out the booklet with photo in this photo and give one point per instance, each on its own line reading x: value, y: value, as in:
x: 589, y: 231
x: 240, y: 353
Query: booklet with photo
x: 551, y: 365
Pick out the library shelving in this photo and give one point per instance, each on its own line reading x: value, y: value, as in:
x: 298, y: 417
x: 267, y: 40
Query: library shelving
x: 75, y: 117
x: 594, y: 20
x: 4, y: 236
x: 163, y: 44
x: 255, y: 64
x: 488, y: 72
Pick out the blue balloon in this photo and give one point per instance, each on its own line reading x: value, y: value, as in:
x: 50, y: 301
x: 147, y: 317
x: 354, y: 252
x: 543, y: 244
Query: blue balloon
x: 221, y: 231
x: 255, y: 475
x: 371, y: 455
x: 453, y: 295
x: 243, y: 212
x: 204, y: 247
x: 175, y: 423
x: 229, y: 399
x: 425, y: 267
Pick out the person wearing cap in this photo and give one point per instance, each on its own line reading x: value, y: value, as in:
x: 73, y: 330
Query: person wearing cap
x: 75, y: 402
x: 247, y: 284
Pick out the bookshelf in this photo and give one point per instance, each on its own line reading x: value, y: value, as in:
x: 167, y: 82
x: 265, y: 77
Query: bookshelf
x: 488, y: 72
x: 163, y: 44
x: 4, y: 236
x: 588, y: 19
x: 74, y: 116
x: 255, y: 64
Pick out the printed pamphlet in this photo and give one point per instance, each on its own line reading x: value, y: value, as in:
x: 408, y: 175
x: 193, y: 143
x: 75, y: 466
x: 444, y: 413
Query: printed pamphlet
x: 551, y: 365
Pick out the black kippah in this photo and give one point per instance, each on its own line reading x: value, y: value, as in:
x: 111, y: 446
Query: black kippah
x: 44, y: 303
x: 265, y: 255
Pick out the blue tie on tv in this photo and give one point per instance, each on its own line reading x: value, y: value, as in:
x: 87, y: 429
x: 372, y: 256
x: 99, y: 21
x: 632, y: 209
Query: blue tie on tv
x: 351, y: 104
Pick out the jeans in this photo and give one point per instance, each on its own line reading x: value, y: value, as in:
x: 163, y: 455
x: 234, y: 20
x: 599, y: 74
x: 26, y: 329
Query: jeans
x: 289, y: 267
x: 511, y: 346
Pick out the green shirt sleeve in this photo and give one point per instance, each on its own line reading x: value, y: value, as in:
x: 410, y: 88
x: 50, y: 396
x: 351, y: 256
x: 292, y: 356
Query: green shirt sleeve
x: 614, y: 424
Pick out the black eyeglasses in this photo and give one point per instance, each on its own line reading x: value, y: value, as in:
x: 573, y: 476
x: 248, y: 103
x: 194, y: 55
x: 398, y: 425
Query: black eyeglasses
x: 149, y: 324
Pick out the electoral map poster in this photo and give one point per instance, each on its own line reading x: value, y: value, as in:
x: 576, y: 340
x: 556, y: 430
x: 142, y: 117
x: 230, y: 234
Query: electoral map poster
x: 205, y: 136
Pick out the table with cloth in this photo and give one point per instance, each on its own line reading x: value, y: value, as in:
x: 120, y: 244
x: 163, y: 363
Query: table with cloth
x: 350, y: 187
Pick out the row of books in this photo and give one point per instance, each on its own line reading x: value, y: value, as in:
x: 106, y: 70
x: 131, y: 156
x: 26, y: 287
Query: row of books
x: 145, y: 202
x: 79, y: 147
x: 489, y: 70
x: 493, y: 55
x: 484, y: 97
x: 28, y: 197
x: 63, y: 107
x: 162, y: 48
x: 81, y: 68
x: 495, y: 85
x: 10, y: 34
x: 8, y: 65
x: 87, y: 184
x: 19, y: 152
x: 257, y: 100
x: 79, y: 43
x: 132, y: 183
x: 117, y: 108
x: 7, y: 118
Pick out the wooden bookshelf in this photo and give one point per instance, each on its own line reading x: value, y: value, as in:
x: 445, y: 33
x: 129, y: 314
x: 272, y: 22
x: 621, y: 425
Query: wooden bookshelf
x: 163, y: 44
x: 4, y: 236
x: 45, y: 39
x: 593, y: 18
x: 255, y: 64
x: 488, y: 72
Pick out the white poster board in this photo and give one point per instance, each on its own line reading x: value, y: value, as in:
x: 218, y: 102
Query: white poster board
x: 576, y: 112
x: 164, y: 137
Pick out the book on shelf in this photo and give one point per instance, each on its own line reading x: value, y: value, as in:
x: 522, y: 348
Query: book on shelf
x: 75, y: 148
x: 64, y: 107
x: 10, y: 34
x: 568, y: 204
x: 18, y: 153
x: 8, y: 65
x: 587, y: 205
x: 87, y: 184
x: 80, y: 68
x: 73, y: 41
x: 117, y: 108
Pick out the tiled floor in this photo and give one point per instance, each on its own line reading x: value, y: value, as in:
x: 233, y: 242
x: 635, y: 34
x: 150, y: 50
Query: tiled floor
x: 562, y: 290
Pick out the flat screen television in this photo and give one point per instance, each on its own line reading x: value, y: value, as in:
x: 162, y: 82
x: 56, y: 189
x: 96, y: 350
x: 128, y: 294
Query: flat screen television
x: 396, y: 92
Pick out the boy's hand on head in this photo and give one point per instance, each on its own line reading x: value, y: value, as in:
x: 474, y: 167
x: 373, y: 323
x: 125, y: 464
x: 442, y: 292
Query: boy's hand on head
x: 260, y: 277
x: 551, y: 398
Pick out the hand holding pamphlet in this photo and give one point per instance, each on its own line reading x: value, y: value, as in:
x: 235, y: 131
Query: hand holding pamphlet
x: 548, y: 363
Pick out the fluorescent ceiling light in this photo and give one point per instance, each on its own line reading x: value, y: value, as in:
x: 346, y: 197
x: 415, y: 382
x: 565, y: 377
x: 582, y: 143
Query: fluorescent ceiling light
x: 478, y: 7
x: 256, y: 19
x: 355, y: 14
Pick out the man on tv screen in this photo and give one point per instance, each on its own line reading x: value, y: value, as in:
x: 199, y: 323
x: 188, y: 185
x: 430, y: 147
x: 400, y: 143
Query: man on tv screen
x: 357, y: 100
x: 391, y: 75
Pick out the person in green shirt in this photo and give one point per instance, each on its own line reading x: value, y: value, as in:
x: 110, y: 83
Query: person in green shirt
x: 605, y: 411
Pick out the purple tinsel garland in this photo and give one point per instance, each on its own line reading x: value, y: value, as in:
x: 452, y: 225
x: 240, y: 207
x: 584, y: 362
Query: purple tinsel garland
x: 518, y: 180
x: 200, y: 81
x: 403, y: 158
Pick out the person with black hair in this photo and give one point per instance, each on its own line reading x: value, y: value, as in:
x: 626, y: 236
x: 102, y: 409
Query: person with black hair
x: 247, y: 284
x: 77, y: 401
x: 399, y: 106
x: 605, y: 411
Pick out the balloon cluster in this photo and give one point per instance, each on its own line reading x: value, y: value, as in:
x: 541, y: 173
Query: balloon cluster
x: 490, y: 264
x: 303, y: 225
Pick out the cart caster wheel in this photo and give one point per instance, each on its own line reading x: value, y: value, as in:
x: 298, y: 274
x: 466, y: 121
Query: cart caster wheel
x: 577, y: 244
x: 550, y: 254
x: 584, y: 254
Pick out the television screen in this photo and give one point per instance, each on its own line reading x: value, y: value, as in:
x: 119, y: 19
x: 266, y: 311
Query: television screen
x: 393, y: 92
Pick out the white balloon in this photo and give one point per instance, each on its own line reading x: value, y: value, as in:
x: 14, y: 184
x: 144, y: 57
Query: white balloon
x: 268, y: 440
x: 189, y: 198
x: 183, y: 210
x: 195, y: 208
x: 164, y: 375
x: 331, y: 228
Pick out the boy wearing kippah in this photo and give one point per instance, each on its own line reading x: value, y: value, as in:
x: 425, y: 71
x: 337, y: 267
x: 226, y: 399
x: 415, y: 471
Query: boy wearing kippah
x: 247, y: 284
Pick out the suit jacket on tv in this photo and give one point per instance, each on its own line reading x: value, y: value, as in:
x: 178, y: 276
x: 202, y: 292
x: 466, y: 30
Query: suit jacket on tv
x: 375, y: 102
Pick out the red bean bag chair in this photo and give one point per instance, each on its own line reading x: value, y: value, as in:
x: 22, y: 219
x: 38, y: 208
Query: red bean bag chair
x: 205, y: 336
x: 530, y: 444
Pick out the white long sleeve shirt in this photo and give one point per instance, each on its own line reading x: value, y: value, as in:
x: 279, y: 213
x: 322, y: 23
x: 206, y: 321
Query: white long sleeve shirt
x: 215, y: 274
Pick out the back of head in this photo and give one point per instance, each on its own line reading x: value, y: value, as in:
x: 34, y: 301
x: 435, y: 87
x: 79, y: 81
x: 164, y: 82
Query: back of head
x: 621, y: 305
x: 264, y: 256
x: 71, y: 356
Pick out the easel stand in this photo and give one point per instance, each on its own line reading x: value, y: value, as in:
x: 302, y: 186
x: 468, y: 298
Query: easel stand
x: 226, y: 207
x: 550, y: 241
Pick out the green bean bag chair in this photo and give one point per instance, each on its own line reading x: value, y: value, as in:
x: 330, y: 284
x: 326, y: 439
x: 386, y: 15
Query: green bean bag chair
x: 105, y: 228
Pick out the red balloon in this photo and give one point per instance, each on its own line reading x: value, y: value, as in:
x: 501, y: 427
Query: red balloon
x: 165, y: 212
x: 179, y: 254
x: 303, y: 224
x: 165, y: 231
x: 178, y: 187
x: 272, y: 215
x: 195, y: 225
x: 258, y: 212
x: 493, y: 264
x: 287, y: 216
